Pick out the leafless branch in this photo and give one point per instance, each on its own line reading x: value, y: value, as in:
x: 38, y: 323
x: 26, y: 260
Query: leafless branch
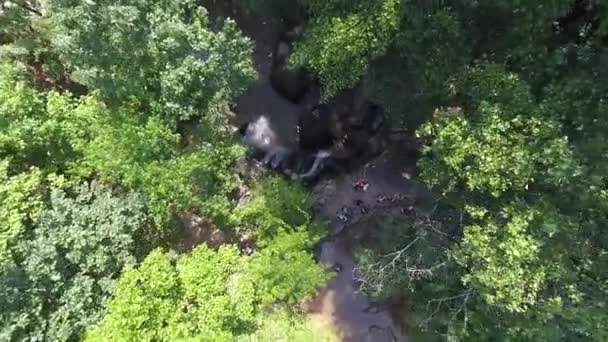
x: 439, y: 302
x: 28, y: 7
x: 398, y: 254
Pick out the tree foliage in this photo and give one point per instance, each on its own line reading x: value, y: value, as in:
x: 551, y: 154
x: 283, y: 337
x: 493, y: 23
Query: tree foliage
x: 285, y: 271
x: 20, y: 203
x: 64, y: 265
x: 408, y: 57
x: 205, y: 295
x: 415, y: 76
x: 150, y: 68
x: 83, y: 138
x: 201, y: 296
x: 504, y: 143
x: 146, y: 155
x: 276, y: 207
x: 343, y: 40
x: 283, y: 326
x: 38, y: 129
x: 506, y: 164
x: 175, y: 64
x: 520, y: 183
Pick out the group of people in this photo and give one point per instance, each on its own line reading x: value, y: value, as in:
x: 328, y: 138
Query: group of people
x: 326, y: 141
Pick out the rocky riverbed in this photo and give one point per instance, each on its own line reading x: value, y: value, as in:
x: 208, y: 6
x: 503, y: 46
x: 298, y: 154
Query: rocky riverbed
x: 339, y: 201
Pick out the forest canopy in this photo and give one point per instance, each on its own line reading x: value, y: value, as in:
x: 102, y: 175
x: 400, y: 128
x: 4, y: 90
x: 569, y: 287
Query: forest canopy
x: 96, y: 167
x: 117, y: 117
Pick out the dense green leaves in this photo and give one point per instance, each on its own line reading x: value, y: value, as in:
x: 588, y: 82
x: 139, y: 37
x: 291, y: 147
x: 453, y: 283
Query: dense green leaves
x: 277, y: 207
x: 145, y: 154
x: 83, y: 138
x: 201, y: 296
x: 34, y: 128
x: 341, y: 44
x: 502, y: 256
x: 64, y: 266
x: 217, y: 295
x: 206, y: 295
x: 285, y: 271
x: 161, y: 53
x: 504, y: 144
x: 90, y: 182
x: 284, y: 326
x: 506, y: 167
x: 415, y: 75
x: 520, y: 177
x: 504, y: 161
x: 20, y: 202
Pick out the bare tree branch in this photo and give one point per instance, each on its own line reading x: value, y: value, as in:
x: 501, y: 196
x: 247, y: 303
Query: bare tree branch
x: 441, y: 301
x: 28, y: 7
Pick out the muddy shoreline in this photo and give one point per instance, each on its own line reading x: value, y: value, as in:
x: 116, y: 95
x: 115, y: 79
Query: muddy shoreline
x: 339, y: 303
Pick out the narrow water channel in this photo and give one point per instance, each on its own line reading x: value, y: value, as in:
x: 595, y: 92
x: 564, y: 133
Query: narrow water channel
x: 349, y: 311
x: 339, y: 303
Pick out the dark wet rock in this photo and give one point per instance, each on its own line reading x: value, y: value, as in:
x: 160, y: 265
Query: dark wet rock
x: 291, y: 82
x: 248, y: 168
x: 374, y: 119
x: 315, y: 128
x: 293, y: 34
x: 363, y: 208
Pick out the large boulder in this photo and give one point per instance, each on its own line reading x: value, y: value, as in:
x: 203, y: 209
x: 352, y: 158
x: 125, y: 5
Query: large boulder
x: 327, y: 141
x: 316, y: 128
x: 369, y: 117
x: 291, y: 82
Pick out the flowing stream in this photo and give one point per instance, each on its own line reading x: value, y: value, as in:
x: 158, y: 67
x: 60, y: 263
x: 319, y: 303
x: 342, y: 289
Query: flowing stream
x: 339, y: 304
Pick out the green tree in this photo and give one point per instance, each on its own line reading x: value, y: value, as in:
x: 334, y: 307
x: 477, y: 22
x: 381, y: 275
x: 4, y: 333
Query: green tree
x: 145, y: 154
x: 12, y: 20
x: 20, y: 202
x: 177, y: 65
x: 278, y: 217
x: 65, y: 264
x: 200, y: 296
x: 415, y: 75
x: 283, y: 326
x: 48, y: 130
x: 285, y: 271
x: 207, y: 295
x: 164, y: 54
x: 151, y: 69
x: 82, y: 138
x: 276, y: 207
x: 343, y: 39
x: 504, y: 162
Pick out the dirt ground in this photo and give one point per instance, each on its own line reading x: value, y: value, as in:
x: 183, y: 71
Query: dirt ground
x: 390, y: 191
x: 390, y: 187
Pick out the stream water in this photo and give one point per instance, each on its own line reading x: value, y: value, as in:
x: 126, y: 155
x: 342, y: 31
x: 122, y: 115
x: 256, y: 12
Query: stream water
x: 352, y: 314
x: 339, y: 303
x: 349, y: 311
